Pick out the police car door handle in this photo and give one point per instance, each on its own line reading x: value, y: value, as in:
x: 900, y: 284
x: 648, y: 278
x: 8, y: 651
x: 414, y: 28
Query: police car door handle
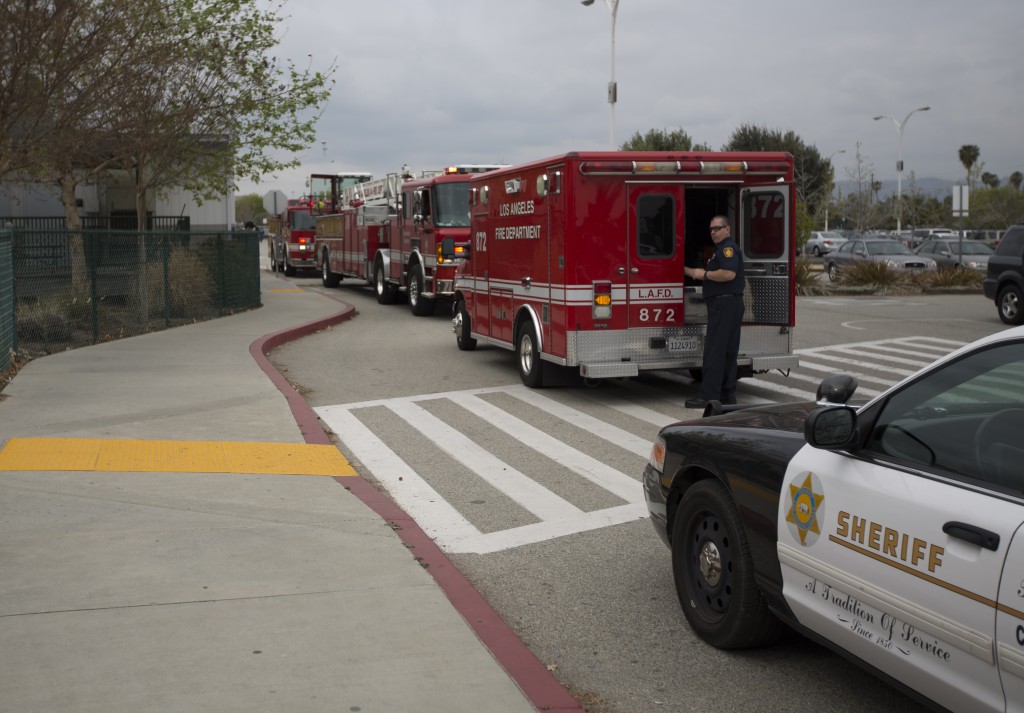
x: 973, y: 534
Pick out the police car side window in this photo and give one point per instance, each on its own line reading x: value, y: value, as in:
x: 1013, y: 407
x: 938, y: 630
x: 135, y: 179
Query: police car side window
x: 965, y: 419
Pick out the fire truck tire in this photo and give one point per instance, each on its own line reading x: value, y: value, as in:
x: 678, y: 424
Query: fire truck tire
x: 385, y: 290
x: 420, y: 305
x: 330, y: 279
x: 462, y: 327
x: 531, y: 368
x: 289, y: 269
x: 273, y: 262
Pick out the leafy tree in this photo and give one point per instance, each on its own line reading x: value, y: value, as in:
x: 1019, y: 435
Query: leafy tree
x: 663, y: 140
x: 210, y: 105
x: 859, y: 207
x: 990, y: 179
x: 813, y: 173
x: 249, y: 208
x: 969, y: 154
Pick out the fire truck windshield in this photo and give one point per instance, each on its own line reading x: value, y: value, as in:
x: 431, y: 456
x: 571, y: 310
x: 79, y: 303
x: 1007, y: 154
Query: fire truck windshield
x: 451, y: 205
x: 303, y: 220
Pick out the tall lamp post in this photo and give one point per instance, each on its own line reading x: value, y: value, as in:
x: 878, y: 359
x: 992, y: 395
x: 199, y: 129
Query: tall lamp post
x: 613, y: 90
x: 828, y: 198
x: 900, y: 125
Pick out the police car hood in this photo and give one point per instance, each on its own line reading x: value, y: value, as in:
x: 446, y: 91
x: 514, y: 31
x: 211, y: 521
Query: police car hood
x: 787, y: 417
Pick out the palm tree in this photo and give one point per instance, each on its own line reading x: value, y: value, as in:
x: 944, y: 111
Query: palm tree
x: 968, y: 157
x: 1016, y: 178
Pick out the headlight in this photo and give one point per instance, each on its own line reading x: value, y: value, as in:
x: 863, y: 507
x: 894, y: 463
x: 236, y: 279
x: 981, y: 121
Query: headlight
x: 657, y: 459
x: 892, y: 264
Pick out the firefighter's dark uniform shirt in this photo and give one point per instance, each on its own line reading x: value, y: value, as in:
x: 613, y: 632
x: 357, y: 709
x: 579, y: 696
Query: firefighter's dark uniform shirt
x: 726, y: 257
x: 725, y: 314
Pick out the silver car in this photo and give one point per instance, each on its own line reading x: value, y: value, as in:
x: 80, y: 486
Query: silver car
x: 823, y: 242
x: 947, y: 253
x: 892, y: 253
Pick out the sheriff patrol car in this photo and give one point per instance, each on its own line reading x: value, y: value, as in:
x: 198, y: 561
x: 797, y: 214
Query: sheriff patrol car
x: 888, y: 532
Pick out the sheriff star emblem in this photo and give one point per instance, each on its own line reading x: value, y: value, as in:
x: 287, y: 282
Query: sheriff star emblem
x: 806, y: 501
x: 728, y: 252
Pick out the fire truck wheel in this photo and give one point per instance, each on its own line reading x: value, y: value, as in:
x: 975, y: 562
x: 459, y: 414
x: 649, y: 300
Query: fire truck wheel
x: 289, y: 269
x: 531, y: 369
x: 384, y: 289
x: 462, y: 326
x: 420, y: 305
x: 330, y: 279
x: 273, y: 263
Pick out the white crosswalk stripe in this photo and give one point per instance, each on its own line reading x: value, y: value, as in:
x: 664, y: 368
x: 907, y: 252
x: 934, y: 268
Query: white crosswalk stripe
x: 621, y: 419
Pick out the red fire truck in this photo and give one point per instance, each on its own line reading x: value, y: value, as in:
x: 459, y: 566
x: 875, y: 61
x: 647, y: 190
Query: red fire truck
x: 387, y: 232
x: 577, y: 260
x: 291, y: 238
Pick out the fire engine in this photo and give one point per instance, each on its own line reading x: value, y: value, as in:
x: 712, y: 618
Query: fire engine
x: 387, y: 232
x: 291, y: 238
x: 577, y: 260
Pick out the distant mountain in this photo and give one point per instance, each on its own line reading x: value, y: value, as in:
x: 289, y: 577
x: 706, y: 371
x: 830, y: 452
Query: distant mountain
x: 937, y: 187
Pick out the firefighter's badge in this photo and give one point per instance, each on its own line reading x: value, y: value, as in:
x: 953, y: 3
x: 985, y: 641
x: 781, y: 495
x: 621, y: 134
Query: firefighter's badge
x: 728, y: 252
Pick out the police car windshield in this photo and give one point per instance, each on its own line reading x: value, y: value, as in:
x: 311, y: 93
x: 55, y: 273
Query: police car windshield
x: 451, y: 205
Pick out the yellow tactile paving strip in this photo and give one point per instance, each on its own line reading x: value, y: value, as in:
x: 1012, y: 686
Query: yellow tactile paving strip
x: 130, y: 456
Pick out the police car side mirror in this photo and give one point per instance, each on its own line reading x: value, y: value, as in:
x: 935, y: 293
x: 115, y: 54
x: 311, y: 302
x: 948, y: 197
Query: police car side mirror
x: 831, y: 428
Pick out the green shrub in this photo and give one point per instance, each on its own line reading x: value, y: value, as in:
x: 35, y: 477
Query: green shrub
x: 192, y: 289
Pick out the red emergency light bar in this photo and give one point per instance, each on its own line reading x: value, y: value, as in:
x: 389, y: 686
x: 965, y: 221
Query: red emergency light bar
x: 673, y: 168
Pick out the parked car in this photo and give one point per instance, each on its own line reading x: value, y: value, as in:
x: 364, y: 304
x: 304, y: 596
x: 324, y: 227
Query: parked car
x: 823, y: 242
x: 989, y: 237
x: 1004, y: 281
x: 957, y: 254
x: 892, y: 253
x: 889, y: 532
x: 921, y: 235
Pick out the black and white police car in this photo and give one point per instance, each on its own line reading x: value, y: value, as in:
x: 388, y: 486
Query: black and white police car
x: 890, y: 531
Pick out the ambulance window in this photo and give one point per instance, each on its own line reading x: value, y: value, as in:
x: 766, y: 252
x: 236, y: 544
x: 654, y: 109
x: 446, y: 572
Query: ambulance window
x: 764, y: 228
x: 655, y: 225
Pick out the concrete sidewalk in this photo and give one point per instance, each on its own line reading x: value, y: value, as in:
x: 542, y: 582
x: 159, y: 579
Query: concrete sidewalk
x: 178, y: 534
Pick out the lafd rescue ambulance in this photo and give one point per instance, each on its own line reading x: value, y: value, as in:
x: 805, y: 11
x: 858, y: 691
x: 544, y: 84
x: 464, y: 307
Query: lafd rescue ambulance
x: 387, y: 232
x: 577, y: 260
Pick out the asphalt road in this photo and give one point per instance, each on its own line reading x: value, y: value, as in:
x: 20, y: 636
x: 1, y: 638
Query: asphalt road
x: 597, y: 604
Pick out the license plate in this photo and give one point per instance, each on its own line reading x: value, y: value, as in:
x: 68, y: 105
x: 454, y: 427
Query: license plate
x: 682, y: 344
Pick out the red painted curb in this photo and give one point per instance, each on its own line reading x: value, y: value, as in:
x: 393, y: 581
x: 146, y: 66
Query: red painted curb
x: 539, y: 685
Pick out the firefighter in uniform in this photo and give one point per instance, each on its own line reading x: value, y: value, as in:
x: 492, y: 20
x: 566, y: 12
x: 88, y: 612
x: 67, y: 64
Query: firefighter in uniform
x: 723, y: 294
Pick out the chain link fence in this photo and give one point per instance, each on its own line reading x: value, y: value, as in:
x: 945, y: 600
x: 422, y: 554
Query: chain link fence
x: 75, y: 288
x: 7, y: 340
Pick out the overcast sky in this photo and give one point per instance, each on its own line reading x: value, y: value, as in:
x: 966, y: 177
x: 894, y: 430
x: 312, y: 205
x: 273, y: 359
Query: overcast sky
x: 435, y: 82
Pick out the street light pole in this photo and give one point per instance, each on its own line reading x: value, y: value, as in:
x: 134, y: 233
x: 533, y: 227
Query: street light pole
x: 613, y: 88
x: 828, y: 198
x: 900, y: 125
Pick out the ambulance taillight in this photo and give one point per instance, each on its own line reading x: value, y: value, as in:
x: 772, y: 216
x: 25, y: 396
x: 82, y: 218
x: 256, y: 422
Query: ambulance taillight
x: 602, y: 300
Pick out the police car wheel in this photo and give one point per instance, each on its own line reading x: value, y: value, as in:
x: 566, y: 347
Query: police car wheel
x: 528, y: 358
x: 714, y: 574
